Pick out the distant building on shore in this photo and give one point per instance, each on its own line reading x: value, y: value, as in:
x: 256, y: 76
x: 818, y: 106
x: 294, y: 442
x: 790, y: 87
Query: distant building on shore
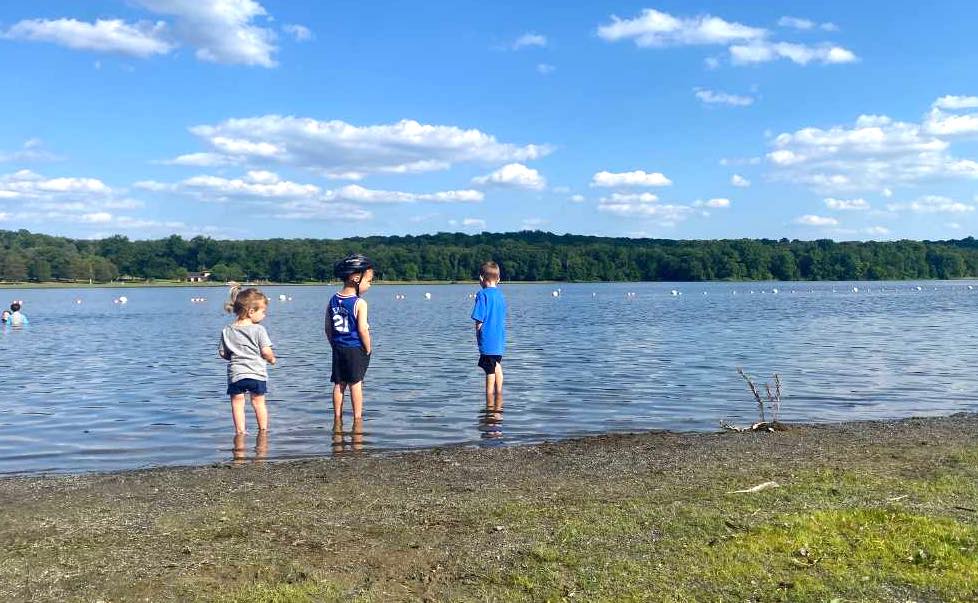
x: 199, y: 277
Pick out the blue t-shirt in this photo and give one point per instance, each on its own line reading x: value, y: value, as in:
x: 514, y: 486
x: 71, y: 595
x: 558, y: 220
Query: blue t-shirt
x: 346, y: 332
x: 490, y: 310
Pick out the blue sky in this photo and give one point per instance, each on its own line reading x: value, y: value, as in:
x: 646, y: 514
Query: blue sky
x: 260, y: 118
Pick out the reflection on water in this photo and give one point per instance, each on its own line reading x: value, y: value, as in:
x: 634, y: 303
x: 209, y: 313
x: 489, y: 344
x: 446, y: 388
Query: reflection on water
x: 347, y: 441
x: 103, y: 385
x: 240, y: 451
x: 491, y: 423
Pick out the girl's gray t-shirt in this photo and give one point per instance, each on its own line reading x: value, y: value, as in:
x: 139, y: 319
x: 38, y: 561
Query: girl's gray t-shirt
x: 243, y: 345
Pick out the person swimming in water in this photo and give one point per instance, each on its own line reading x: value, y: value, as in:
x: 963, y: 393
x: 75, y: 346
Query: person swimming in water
x: 16, y: 319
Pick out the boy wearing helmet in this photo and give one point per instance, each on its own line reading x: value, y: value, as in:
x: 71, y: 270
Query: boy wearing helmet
x: 349, y: 334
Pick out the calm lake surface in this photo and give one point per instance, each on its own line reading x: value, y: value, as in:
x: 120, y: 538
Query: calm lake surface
x: 96, y: 386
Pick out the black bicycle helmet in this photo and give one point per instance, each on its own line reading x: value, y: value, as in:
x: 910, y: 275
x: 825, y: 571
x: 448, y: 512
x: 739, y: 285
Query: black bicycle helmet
x: 356, y: 263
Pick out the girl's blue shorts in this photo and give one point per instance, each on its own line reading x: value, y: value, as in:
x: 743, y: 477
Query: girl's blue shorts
x: 255, y: 386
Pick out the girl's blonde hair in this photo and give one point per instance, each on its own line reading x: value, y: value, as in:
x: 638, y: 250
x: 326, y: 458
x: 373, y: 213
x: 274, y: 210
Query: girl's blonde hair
x: 248, y: 299
x: 232, y: 295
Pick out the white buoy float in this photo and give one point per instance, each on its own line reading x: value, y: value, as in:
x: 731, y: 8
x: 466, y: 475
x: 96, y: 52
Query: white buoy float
x: 555, y: 293
x: 122, y: 299
x: 78, y: 300
x: 674, y: 293
x: 427, y: 295
x: 919, y: 288
x: 774, y: 291
x: 282, y: 297
x: 855, y: 289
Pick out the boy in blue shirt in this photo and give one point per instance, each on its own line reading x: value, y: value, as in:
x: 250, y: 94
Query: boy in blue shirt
x: 489, y: 315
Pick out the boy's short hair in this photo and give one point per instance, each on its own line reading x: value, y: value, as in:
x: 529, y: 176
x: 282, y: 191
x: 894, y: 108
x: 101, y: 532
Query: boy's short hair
x: 248, y: 299
x: 489, y: 271
x: 15, y: 307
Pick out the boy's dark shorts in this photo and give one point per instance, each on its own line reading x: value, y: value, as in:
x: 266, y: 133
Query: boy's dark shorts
x: 349, y: 365
x: 241, y: 386
x: 488, y: 362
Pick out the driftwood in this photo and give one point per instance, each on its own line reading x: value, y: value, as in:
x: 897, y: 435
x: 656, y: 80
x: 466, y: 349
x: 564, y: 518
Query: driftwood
x: 757, y: 488
x: 773, y: 403
x: 762, y: 426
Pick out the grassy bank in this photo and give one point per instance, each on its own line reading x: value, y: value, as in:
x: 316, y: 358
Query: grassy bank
x: 864, y: 512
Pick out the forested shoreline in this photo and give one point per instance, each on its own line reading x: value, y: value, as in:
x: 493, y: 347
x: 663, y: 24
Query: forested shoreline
x: 523, y: 256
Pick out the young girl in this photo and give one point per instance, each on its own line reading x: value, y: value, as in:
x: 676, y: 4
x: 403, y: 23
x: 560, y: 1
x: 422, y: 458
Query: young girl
x: 246, y: 347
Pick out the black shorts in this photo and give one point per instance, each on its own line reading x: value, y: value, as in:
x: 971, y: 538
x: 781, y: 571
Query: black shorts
x: 349, y: 365
x: 488, y: 363
x: 255, y: 386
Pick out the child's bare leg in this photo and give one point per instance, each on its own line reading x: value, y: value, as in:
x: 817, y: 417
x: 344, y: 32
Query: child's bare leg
x: 356, y: 437
x: 239, y: 446
x: 338, y: 390
x: 338, y: 433
x: 499, y: 380
x: 356, y: 397
x: 237, y: 412
x: 490, y: 389
x: 261, y: 411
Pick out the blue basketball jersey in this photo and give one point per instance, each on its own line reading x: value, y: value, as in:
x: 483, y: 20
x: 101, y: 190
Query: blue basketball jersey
x: 345, y: 328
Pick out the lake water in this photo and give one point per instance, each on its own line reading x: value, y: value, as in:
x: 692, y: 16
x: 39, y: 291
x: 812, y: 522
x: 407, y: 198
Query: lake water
x: 98, y: 386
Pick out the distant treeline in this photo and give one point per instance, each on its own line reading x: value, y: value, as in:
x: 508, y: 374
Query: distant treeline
x: 523, y: 256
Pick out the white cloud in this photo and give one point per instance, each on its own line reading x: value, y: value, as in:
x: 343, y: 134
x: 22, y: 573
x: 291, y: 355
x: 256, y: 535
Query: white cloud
x: 201, y: 160
x: 740, y: 161
x: 847, y: 204
x: 764, y: 51
x: 874, y: 153
x: 953, y: 102
x: 515, y: 175
x: 635, y: 178
x: 31, y: 150
x: 336, y: 149
x: 141, y: 39
x: 256, y: 184
x: 812, y: 220
x: 533, y: 223
x: 887, y: 193
x: 577, y: 199
x: 655, y: 28
x: 663, y: 214
x: 796, y: 23
x: 299, y: 33
x: 876, y: 230
x: 711, y: 97
x: 545, y: 69
x: 711, y: 62
x: 739, y: 181
x: 33, y: 197
x: 318, y: 209
x: 953, y: 225
x: 717, y: 203
x: 358, y: 194
x: 100, y: 217
x: 529, y: 39
x: 25, y: 184
x: 941, y: 123
x: 474, y: 222
x: 630, y: 198
x: 746, y: 44
x: 266, y: 186
x: 806, y: 24
x: 221, y: 31
x: 932, y: 204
